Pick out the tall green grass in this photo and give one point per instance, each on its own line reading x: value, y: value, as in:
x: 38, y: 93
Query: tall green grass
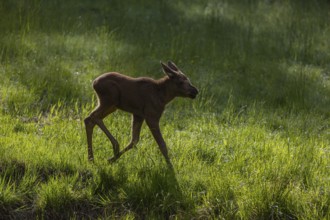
x: 254, y: 145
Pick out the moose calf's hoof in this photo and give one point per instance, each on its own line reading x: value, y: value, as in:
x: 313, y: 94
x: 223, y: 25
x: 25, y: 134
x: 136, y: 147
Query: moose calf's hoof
x: 112, y: 160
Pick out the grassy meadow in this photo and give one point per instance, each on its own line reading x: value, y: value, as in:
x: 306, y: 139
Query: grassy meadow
x: 255, y: 144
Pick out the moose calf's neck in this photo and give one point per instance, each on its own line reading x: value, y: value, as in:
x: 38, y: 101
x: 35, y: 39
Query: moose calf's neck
x: 166, y: 91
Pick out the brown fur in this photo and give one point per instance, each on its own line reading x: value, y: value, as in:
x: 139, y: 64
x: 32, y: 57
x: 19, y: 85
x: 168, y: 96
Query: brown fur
x: 144, y: 97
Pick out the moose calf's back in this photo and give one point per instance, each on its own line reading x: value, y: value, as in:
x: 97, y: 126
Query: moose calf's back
x: 129, y: 94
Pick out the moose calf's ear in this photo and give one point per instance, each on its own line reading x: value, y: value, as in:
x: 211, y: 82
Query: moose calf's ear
x: 168, y: 71
x: 172, y: 65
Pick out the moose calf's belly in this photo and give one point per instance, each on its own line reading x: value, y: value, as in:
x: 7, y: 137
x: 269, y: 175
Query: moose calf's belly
x: 131, y: 106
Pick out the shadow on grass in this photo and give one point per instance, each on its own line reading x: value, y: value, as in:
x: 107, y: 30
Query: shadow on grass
x: 155, y: 192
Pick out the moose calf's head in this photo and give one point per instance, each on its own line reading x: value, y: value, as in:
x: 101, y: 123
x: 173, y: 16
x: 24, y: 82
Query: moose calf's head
x: 181, y: 85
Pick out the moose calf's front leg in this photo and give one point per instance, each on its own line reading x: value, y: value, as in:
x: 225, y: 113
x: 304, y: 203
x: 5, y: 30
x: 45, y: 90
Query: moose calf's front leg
x: 153, y: 125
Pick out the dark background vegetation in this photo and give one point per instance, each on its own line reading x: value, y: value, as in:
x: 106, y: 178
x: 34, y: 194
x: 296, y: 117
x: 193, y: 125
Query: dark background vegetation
x: 275, y: 52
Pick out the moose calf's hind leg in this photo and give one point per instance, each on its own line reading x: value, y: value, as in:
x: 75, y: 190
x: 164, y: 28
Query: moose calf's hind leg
x: 113, y: 141
x: 136, y: 129
x: 89, y: 125
x: 96, y: 118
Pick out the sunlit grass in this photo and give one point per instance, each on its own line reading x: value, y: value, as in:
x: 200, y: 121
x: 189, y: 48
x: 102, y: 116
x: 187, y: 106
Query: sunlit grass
x: 251, y: 164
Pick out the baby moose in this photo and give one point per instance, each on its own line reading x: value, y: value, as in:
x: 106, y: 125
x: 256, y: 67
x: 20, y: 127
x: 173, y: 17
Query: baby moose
x: 144, y: 97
